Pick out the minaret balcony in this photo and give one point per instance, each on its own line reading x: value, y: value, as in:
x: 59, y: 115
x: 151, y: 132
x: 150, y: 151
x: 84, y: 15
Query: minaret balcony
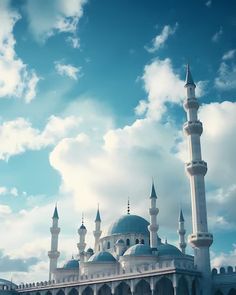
x: 190, y: 103
x: 53, y: 254
x: 193, y: 127
x: 196, y: 167
x: 55, y: 230
x: 200, y: 239
x: 153, y: 211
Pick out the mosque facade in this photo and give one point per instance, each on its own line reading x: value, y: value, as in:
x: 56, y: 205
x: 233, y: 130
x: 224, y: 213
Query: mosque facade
x: 131, y: 259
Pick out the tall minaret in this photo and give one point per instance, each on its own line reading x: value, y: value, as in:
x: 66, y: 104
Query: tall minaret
x: 181, y: 231
x: 153, y: 211
x: 97, y: 232
x: 196, y: 168
x: 53, y: 254
x: 82, y: 231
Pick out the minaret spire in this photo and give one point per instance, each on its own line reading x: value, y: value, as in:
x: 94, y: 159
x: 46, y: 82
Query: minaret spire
x: 153, y: 211
x: 97, y: 232
x: 82, y: 231
x: 54, y: 254
x: 181, y: 231
x: 196, y: 169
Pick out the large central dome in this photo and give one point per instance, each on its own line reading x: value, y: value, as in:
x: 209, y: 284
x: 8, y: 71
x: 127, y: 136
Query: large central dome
x: 127, y: 224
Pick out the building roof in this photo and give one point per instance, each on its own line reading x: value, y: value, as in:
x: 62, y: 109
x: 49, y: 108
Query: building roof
x: 4, y: 282
x: 102, y: 257
x: 71, y: 264
x: 181, y: 216
x: 138, y: 250
x: 168, y: 250
x: 98, y: 217
x: 129, y: 224
x: 153, y: 192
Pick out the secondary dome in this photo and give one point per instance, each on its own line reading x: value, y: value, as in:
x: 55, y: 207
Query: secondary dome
x: 71, y: 264
x: 102, y: 257
x: 127, y: 224
x: 138, y: 250
x: 167, y: 249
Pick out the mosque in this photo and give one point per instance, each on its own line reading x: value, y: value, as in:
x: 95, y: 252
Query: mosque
x: 131, y: 259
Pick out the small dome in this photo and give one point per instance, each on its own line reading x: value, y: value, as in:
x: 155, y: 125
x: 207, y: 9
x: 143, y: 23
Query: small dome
x: 71, y: 264
x: 4, y: 282
x: 102, y: 257
x: 138, y: 250
x: 120, y: 242
x: 90, y: 250
x: 127, y: 224
x: 167, y: 249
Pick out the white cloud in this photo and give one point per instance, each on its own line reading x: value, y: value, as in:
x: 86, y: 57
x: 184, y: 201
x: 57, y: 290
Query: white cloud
x: 224, y: 259
x: 217, y: 36
x: 8, y: 191
x: 16, y: 80
x: 19, y: 135
x: 53, y: 16
x: 160, y: 40
x: 162, y: 85
x: 229, y: 54
x: 226, y: 79
x: 74, y: 41
x: 68, y: 70
x: 5, y: 209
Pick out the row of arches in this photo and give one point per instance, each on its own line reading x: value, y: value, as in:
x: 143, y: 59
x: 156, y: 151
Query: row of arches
x: 163, y: 287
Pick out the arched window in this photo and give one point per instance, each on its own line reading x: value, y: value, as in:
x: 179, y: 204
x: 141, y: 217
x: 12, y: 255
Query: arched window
x: 127, y: 242
x: 108, y: 245
x: 137, y: 241
x: 142, y: 241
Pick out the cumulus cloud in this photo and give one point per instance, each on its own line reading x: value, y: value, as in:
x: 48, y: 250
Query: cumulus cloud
x: 19, y: 135
x: 5, y: 209
x: 225, y: 259
x: 73, y: 41
x: 53, y: 16
x: 16, y: 80
x: 161, y: 39
x: 162, y: 85
x: 217, y: 36
x: 68, y: 70
x: 4, y: 191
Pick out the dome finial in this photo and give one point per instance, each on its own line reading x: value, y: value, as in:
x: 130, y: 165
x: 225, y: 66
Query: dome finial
x: 128, y: 207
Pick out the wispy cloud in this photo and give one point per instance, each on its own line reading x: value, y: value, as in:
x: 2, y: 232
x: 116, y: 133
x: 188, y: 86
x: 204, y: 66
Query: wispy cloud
x: 68, y: 70
x: 160, y: 39
x: 217, y: 36
x: 208, y: 3
x: 229, y: 54
x: 226, y: 79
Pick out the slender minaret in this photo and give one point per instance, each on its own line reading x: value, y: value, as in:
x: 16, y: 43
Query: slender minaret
x: 153, y: 211
x: 196, y: 168
x: 82, y: 231
x: 181, y: 231
x: 97, y: 232
x: 53, y: 254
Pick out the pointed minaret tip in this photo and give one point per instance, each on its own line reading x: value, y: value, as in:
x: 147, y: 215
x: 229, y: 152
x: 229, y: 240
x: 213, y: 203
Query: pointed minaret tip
x: 55, y: 214
x: 181, y: 216
x: 98, y: 217
x: 189, y: 78
x: 153, y: 192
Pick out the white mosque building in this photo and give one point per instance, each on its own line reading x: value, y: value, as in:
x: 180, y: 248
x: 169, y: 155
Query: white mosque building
x: 131, y: 259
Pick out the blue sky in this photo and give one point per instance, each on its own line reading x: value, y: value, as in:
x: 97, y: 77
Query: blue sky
x: 91, y: 108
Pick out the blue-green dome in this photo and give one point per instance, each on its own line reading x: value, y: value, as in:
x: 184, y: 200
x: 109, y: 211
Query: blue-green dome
x: 102, y: 257
x: 167, y: 249
x: 138, y: 250
x: 71, y: 264
x: 127, y: 224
